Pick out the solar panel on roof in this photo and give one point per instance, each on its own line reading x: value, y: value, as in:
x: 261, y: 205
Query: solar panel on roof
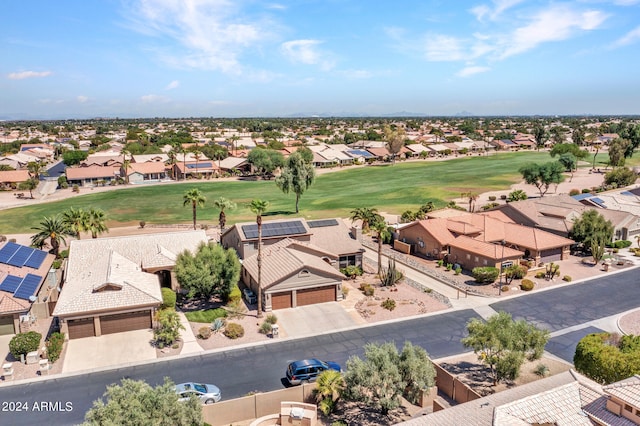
x: 36, y: 259
x: 276, y: 229
x: 626, y: 193
x: 28, y: 286
x: 199, y: 165
x: 7, y: 251
x: 598, y: 201
x: 322, y: 223
x: 20, y: 256
x: 10, y: 283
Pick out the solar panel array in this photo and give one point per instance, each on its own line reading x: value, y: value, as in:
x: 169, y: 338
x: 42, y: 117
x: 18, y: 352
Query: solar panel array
x: 278, y: 229
x: 22, y: 288
x: 322, y: 223
x: 18, y: 255
x: 360, y: 152
x: 199, y: 165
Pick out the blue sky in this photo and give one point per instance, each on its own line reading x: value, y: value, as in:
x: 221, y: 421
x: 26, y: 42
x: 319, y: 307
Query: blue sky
x: 230, y: 58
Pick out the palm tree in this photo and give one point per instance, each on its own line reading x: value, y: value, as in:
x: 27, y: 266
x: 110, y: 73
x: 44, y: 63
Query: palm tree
x: 76, y: 220
x: 172, y: 160
x: 472, y: 197
x: 366, y: 215
x: 259, y: 207
x: 196, y: 199
x: 35, y: 169
x: 381, y: 233
x: 125, y: 164
x: 222, y: 204
x: 197, y: 155
x: 329, y: 388
x: 52, y: 229
x: 96, y: 222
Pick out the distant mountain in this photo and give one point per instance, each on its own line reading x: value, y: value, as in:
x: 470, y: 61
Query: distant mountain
x: 464, y: 114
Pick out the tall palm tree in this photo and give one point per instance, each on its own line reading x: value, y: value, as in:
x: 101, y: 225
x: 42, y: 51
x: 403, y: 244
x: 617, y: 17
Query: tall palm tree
x: 259, y: 207
x: 366, y: 215
x: 52, y: 229
x: 76, y: 220
x: 125, y: 164
x: 196, y: 199
x: 172, y: 160
x: 96, y: 222
x: 380, y: 227
x: 222, y: 204
x: 472, y: 197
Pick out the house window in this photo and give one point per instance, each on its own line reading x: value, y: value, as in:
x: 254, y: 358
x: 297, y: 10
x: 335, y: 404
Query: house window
x: 468, y: 256
x: 347, y: 261
x: 628, y: 408
x: 484, y: 262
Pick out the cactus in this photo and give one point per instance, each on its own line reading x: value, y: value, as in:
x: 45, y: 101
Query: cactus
x: 552, y: 269
x: 391, y: 275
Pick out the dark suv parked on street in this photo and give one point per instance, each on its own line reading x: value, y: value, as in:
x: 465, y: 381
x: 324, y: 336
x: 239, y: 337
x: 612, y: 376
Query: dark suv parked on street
x: 307, y: 370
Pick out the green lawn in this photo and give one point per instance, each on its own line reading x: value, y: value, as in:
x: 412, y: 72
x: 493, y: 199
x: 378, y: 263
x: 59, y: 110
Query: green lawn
x: 388, y: 188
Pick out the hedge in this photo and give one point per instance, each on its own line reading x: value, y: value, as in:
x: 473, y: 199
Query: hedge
x: 485, y: 274
x: 54, y: 346
x: 605, y: 360
x: 168, y: 298
x: 23, y: 343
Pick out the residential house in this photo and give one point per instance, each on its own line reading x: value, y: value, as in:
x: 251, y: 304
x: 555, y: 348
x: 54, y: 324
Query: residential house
x: 233, y: 164
x: 105, y: 159
x: 113, y: 284
x: 145, y: 172
x: 92, y: 175
x: 417, y: 149
x: 19, y: 160
x: 326, y: 155
x: 204, y: 168
x: 11, y: 179
x: 28, y: 286
x: 505, y: 145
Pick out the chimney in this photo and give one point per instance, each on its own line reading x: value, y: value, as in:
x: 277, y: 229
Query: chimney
x: 356, y: 233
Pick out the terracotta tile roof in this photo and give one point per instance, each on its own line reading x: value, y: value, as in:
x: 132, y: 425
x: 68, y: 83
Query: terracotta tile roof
x: 335, y: 239
x: 627, y: 390
x: 490, y: 250
x: 10, y: 304
x: 13, y: 176
x: 92, y: 172
x: 93, y: 263
x: 525, y: 236
x: 287, y: 257
x: 436, y: 227
x: 146, y: 168
x: 462, y: 227
x: 379, y: 152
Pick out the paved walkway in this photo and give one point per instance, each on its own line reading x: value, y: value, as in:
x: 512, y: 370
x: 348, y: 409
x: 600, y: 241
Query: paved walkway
x: 315, y: 319
x: 189, y: 343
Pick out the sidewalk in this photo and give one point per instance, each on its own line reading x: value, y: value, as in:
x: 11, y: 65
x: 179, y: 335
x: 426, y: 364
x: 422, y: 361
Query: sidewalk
x: 189, y: 343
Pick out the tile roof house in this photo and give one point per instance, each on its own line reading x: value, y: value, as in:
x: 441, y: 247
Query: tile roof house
x: 202, y: 168
x: 568, y: 399
x: 145, y: 172
x: 27, y: 285
x: 113, y: 284
x: 10, y: 179
x: 92, y: 175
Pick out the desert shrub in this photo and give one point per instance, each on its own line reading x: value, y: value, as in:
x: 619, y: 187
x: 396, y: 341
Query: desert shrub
x: 265, y: 328
x: 458, y: 270
x: 606, y: 359
x: 142, y: 224
x: 56, y: 264
x: 235, y: 294
x: 389, y: 304
x: 439, y: 263
x: 168, y: 326
x: 75, y: 188
x: 489, y: 206
x: 586, y: 190
x: 526, y: 285
x: 574, y: 192
x: 3, y: 238
x: 622, y: 244
x: 204, y: 332
x: 168, y: 298
x: 566, y: 278
x: 338, y: 423
x: 63, y: 254
x: 217, y: 325
x: 503, y: 197
x: 540, y: 274
x: 492, y: 197
x: 54, y: 346
x: 504, y: 288
x: 541, y: 370
x: 367, y: 289
x: 345, y: 291
x: 23, y: 343
x: 271, y: 319
x: 449, y: 266
x: 485, y: 274
x: 351, y: 271
x: 233, y: 330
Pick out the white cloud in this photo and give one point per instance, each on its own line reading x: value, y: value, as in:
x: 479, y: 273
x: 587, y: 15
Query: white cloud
x: 445, y: 48
x: 28, y: 74
x: 276, y: 6
x: 499, y: 7
x: 150, y: 99
x: 82, y: 99
x: 629, y: 38
x: 471, y: 70
x: 213, y: 34
x: 173, y: 85
x: 556, y: 23
x: 306, y: 52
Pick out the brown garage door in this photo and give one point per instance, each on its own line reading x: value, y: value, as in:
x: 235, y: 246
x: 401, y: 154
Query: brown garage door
x: 125, y: 322
x: 281, y: 300
x: 316, y: 295
x: 6, y: 325
x: 79, y: 328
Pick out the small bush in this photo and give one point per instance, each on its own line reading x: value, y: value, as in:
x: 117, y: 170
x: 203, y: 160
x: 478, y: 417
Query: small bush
x: 63, y: 254
x: 541, y: 370
x: 458, y: 270
x: 54, y: 346
x: 367, y: 289
x: 271, y: 319
x: 389, y: 304
x: 566, y: 278
x: 485, y: 274
x: 574, y: 192
x: 204, y: 332
x: 142, y: 224
x: 586, y: 190
x: 168, y: 298
x: 235, y: 294
x: 439, y: 263
x: 233, y: 330
x: 56, y: 264
x: 526, y: 285
x: 492, y: 197
x: 449, y: 266
x: 76, y: 188
x: 345, y: 291
x: 504, y: 288
x: 23, y: 343
x: 265, y: 328
x: 540, y: 274
x: 503, y: 197
x: 351, y: 271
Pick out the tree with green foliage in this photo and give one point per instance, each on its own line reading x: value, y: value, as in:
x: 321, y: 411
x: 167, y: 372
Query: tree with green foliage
x: 366, y: 214
x: 597, y: 248
x: 53, y: 229
x: 223, y: 204
x: 265, y: 161
x: 395, y: 140
x: 607, y: 358
x: 135, y: 403
x: 541, y: 135
x: 76, y: 220
x: 23, y: 343
x: 617, y: 149
x: 297, y: 176
x: 517, y: 195
x: 259, y: 207
x: 212, y: 271
x: 71, y: 158
x: 620, y: 177
x: 381, y: 229
x: 329, y: 388
x: 570, y: 163
x: 384, y: 375
x: 167, y: 329
x: 542, y: 176
x: 502, y: 344
x: 591, y: 225
x: 28, y: 185
x: 194, y: 198
x: 96, y: 222
x: 35, y: 169
x: 568, y: 148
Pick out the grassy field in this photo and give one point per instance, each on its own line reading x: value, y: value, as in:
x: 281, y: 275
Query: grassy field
x: 388, y: 188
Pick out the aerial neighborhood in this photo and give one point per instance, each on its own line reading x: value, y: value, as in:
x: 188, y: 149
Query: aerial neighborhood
x: 485, y: 266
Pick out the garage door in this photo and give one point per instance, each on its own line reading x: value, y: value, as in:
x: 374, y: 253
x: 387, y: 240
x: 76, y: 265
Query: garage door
x: 79, y: 328
x: 551, y: 255
x: 281, y: 300
x: 6, y: 325
x: 118, y: 323
x: 316, y: 295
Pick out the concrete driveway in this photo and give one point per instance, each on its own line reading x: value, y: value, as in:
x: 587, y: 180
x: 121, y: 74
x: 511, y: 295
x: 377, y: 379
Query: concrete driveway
x: 96, y: 353
x: 314, y: 319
